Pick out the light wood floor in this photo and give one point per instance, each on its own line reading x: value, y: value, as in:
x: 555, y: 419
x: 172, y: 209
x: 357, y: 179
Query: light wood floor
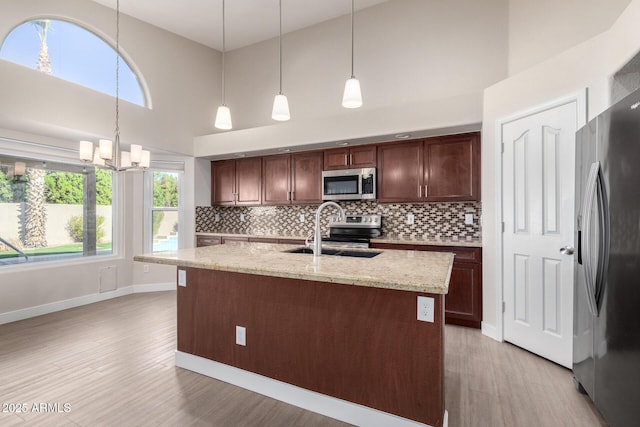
x: 112, y: 362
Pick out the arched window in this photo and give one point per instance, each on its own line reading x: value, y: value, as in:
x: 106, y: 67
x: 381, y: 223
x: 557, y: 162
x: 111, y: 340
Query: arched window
x: 72, y: 53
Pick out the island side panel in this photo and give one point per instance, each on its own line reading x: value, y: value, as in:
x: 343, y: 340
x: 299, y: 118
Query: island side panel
x: 360, y: 344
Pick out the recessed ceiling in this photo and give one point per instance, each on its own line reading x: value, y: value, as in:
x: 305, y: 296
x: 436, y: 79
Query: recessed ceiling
x: 247, y: 21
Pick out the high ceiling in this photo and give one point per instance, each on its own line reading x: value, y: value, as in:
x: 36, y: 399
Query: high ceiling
x: 247, y: 21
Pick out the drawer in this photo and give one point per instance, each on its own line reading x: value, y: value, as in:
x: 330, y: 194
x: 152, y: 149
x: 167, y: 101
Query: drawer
x: 462, y: 254
x: 208, y: 241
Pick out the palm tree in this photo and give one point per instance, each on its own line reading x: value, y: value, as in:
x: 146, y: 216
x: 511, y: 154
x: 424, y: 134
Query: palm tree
x: 44, y: 62
x: 35, y: 212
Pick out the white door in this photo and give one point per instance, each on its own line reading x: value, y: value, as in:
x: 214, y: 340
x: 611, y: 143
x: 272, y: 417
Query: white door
x: 538, y: 205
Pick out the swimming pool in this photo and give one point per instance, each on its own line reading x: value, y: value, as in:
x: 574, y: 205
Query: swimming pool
x: 168, y: 244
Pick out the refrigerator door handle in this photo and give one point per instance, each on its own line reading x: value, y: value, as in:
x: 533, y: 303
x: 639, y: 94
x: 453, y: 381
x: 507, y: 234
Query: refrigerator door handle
x: 603, y: 253
x: 590, y: 194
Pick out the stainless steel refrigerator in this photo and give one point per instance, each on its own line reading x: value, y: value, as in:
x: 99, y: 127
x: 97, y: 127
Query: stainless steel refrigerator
x: 606, y: 347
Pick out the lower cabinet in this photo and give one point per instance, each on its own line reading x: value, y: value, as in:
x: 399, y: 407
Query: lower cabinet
x: 208, y: 241
x: 203, y: 240
x: 463, y: 303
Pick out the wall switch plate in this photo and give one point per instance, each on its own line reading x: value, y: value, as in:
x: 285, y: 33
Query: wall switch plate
x: 410, y: 219
x: 217, y: 218
x: 145, y: 268
x: 182, y: 278
x: 425, y: 309
x: 241, y: 335
x: 468, y: 219
x: 241, y: 217
x: 301, y: 217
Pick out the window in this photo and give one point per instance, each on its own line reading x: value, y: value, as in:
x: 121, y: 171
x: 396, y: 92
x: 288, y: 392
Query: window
x: 72, y: 53
x: 51, y: 210
x: 164, y: 210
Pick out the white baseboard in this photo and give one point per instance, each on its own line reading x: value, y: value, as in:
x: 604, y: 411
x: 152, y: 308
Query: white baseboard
x: 26, y: 313
x: 491, y: 332
x: 319, y: 403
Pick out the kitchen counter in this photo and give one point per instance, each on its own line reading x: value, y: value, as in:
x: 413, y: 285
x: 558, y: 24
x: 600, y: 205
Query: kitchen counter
x: 424, y: 272
x: 400, y: 240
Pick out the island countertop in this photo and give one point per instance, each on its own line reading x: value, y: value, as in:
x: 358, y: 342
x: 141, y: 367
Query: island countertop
x: 415, y: 271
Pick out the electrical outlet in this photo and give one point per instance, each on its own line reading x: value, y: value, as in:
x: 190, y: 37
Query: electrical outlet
x: 425, y: 309
x: 217, y: 217
x: 301, y: 217
x: 182, y: 278
x: 241, y: 217
x: 468, y: 219
x: 241, y: 335
x: 410, y: 219
x: 145, y: 268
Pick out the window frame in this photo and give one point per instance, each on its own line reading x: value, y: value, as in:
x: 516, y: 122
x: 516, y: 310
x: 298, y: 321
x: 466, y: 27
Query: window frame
x: 149, y: 208
x: 124, y: 57
x: 52, y: 154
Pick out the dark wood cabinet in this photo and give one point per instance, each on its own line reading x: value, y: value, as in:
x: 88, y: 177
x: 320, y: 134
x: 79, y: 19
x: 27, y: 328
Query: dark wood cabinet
x: 400, y: 176
x: 292, y: 179
x: 463, y: 303
x: 208, y: 241
x: 306, y: 178
x: 223, y: 176
x: 452, y: 168
x: 363, y: 156
x: 276, y: 177
x: 236, y: 182
x: 431, y: 170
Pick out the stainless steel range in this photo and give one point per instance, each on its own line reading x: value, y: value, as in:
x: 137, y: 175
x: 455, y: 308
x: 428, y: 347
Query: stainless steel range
x: 353, y: 230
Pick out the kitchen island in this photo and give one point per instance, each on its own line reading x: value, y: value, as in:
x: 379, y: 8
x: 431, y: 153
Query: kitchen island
x: 337, y: 335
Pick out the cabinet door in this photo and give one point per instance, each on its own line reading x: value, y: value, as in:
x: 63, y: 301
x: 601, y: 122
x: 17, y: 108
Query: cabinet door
x: 452, y: 168
x: 306, y: 178
x: 463, y: 304
x: 208, y: 241
x: 223, y: 182
x: 337, y: 158
x: 363, y: 156
x: 400, y: 172
x: 276, y: 173
x: 249, y: 181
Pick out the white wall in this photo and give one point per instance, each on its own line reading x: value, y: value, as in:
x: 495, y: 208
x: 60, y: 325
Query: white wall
x: 587, y: 65
x: 182, y: 77
x: 540, y: 29
x: 422, y: 65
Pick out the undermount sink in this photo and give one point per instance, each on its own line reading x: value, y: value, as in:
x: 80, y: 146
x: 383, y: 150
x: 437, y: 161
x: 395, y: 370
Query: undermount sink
x: 335, y: 252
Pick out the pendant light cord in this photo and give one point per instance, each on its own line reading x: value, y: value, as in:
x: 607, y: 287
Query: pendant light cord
x: 224, y: 48
x: 280, y: 48
x: 353, y: 76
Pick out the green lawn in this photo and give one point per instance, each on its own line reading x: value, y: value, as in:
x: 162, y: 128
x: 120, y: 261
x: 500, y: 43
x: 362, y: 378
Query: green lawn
x: 56, y: 250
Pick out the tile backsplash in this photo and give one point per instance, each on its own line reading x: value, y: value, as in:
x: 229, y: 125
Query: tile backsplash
x: 431, y: 220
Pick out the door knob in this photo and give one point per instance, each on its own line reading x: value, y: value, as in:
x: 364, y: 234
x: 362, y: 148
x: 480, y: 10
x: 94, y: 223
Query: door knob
x: 567, y: 250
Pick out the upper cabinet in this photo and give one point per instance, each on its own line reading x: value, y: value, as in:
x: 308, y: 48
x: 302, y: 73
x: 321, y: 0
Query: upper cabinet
x: 292, y: 178
x: 363, y: 156
x: 431, y: 170
x: 440, y: 169
x: 236, y: 182
x: 452, y: 168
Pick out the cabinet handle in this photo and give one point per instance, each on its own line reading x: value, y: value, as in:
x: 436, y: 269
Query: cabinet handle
x: 346, y: 159
x: 293, y: 195
x: 288, y: 195
x: 419, y: 191
x: 426, y: 191
x: 350, y: 159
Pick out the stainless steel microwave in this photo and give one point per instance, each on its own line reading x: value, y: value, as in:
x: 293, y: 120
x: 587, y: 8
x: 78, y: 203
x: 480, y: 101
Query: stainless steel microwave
x: 349, y: 184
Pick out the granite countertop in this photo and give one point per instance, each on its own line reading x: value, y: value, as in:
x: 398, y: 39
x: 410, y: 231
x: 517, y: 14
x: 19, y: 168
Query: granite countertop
x: 415, y: 271
x: 398, y: 240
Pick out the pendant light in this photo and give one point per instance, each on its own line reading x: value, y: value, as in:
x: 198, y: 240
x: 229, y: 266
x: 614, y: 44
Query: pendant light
x: 108, y: 154
x: 280, y: 104
x: 223, y: 116
x: 352, y: 97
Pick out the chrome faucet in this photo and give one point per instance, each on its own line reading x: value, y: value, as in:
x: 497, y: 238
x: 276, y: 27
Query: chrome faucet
x: 317, y: 238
